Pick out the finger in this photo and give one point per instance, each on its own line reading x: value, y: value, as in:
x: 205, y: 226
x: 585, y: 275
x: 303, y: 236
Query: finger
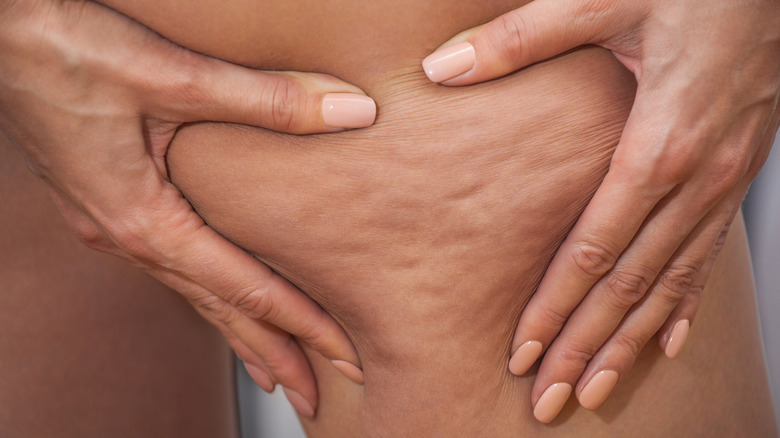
x: 203, y: 88
x: 532, y: 33
x: 675, y: 296
x: 171, y: 239
x: 271, y: 355
x: 672, y: 335
x: 605, y: 229
x: 647, y: 167
x: 676, y: 291
x: 177, y: 85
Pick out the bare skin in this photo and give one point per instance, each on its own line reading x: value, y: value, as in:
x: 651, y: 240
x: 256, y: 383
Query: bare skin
x: 425, y: 234
x: 91, y: 346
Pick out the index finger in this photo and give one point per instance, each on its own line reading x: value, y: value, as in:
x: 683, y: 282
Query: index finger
x: 224, y: 279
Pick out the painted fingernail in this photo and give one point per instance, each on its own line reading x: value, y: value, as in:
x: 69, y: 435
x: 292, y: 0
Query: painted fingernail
x: 677, y: 338
x: 352, y: 372
x: 598, y: 389
x: 260, y: 377
x: 551, y: 402
x: 524, y: 357
x: 348, y: 110
x: 301, y: 405
x: 449, y: 62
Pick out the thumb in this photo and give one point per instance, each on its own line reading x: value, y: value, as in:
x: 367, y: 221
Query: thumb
x: 291, y: 102
x: 532, y: 33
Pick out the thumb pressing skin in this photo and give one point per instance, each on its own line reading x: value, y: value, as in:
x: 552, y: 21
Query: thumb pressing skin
x: 290, y: 102
x: 530, y: 34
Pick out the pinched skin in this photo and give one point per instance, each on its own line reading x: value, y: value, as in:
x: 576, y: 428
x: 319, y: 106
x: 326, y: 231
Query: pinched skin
x: 425, y: 234
x: 420, y: 239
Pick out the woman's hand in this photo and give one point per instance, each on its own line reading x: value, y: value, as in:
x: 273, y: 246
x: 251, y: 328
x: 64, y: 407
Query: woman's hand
x: 701, y: 127
x: 92, y: 100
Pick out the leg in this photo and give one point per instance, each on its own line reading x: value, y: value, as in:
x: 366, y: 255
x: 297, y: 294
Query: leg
x: 91, y: 347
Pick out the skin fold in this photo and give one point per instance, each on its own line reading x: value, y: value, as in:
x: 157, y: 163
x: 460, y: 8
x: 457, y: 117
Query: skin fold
x: 425, y: 235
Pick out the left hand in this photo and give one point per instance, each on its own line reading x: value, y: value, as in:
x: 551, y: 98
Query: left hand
x: 702, y: 125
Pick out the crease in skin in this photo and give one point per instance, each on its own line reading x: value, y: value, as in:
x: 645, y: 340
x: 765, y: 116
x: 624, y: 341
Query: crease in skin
x: 418, y: 239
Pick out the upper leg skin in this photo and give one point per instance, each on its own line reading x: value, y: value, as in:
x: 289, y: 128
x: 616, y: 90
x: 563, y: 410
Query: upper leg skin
x: 426, y: 234
x: 89, y: 345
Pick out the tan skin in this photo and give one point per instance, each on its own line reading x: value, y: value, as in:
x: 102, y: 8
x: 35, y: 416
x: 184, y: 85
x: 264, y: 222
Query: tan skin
x: 91, y: 346
x: 425, y: 235
x: 433, y: 360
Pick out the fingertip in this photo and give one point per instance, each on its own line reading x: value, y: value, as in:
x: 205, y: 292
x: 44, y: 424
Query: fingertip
x: 302, y: 406
x: 525, y: 356
x: 596, y: 391
x: 348, y: 110
x: 449, y: 62
x: 349, y: 370
x: 552, y: 401
x: 677, y: 338
x: 262, y: 378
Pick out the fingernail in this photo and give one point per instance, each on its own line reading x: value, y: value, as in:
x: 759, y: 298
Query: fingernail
x: 449, y: 62
x: 524, y: 357
x: 348, y: 110
x: 301, y: 405
x: 551, y: 402
x: 598, y: 389
x: 352, y: 372
x: 677, y: 338
x: 260, y: 377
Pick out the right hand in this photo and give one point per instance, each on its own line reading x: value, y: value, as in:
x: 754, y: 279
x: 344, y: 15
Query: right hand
x: 92, y: 100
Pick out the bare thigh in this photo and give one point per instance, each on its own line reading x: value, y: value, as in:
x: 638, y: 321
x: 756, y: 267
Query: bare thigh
x: 90, y: 346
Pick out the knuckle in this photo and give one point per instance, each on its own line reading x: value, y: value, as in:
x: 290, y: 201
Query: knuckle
x: 576, y: 354
x: 732, y: 168
x: 695, y: 292
x: 592, y: 259
x: 623, y: 289
x: 257, y: 302
x: 511, y: 32
x: 629, y: 344
x: 88, y: 234
x: 132, y: 237
x: 594, y: 8
x: 676, y: 281
x: 282, y: 99
x: 554, y: 316
x: 217, y: 307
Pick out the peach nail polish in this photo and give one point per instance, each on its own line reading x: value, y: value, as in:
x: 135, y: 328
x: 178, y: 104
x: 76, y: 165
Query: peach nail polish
x: 677, y: 338
x: 449, y: 62
x: 351, y: 371
x: 598, y: 389
x: 260, y: 377
x: 524, y: 357
x: 301, y: 405
x: 348, y: 110
x: 551, y: 402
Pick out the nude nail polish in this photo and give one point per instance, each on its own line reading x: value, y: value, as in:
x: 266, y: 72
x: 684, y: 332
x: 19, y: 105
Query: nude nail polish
x: 351, y: 371
x: 301, y: 405
x: 551, y: 402
x: 677, y: 338
x: 449, y: 62
x: 348, y: 110
x: 598, y: 389
x: 524, y: 357
x: 260, y: 377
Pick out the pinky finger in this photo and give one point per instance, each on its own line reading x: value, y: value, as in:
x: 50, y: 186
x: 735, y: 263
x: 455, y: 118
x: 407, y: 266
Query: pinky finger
x: 280, y: 359
x: 672, y: 295
x: 674, y: 332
